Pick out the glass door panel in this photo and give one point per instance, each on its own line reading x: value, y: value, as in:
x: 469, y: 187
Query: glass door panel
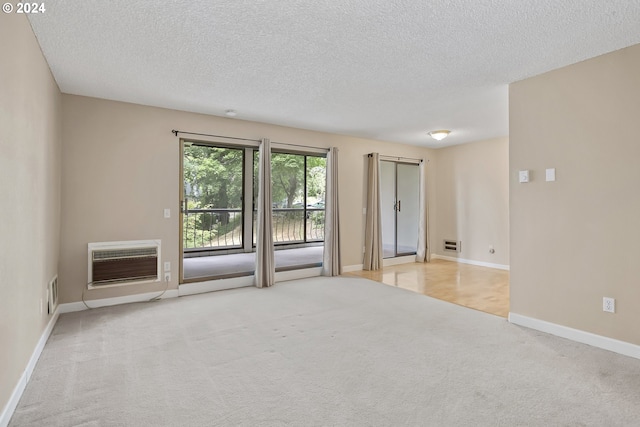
x: 212, y: 216
x: 316, y: 179
x: 387, y: 208
x: 298, y: 184
x: 407, y: 208
x: 287, y: 191
x: 212, y: 219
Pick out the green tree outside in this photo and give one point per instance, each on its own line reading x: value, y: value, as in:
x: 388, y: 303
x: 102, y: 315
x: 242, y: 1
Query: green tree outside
x: 213, y: 179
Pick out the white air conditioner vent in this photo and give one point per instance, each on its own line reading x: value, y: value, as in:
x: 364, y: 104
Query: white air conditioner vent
x: 123, y: 263
x: 106, y: 254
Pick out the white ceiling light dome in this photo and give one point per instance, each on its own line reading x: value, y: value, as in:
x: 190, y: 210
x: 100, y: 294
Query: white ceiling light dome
x: 439, y: 135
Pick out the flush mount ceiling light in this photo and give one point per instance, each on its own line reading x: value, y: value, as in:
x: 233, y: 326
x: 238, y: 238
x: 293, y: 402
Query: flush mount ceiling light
x: 231, y: 113
x: 439, y: 135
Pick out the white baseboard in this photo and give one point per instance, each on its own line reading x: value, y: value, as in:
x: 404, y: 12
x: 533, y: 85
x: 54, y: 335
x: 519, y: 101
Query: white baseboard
x: 105, y: 302
x: 189, y: 289
x: 244, y: 281
x: 621, y: 347
x: 350, y: 268
x: 12, y: 404
x: 408, y: 259
x: 386, y: 262
x: 304, y: 273
x: 470, y: 261
x: 215, y: 285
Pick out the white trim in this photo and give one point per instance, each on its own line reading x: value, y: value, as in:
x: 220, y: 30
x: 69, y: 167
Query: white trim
x: 188, y: 289
x: 105, y: 302
x: 470, y: 261
x: 304, y: 273
x: 350, y: 268
x: 606, y: 343
x: 386, y: 262
x: 215, y: 285
x: 244, y: 281
x: 408, y: 259
x: 12, y: 404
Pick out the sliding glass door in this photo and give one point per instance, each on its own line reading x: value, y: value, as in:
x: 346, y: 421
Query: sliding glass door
x: 399, y: 205
x: 218, y: 219
x: 212, y: 210
x: 298, y: 184
x: 408, y: 208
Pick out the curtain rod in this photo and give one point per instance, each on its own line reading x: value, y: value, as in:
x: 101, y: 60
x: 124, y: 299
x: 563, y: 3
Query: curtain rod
x: 298, y: 145
x: 176, y: 132
x: 398, y: 158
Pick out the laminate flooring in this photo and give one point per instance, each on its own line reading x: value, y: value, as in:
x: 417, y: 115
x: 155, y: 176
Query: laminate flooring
x: 481, y: 288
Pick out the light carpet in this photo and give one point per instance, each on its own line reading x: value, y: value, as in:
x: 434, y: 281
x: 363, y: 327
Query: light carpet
x: 320, y: 351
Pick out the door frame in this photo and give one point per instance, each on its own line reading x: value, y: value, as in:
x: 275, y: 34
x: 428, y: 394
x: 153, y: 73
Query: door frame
x: 395, y: 163
x: 247, y: 147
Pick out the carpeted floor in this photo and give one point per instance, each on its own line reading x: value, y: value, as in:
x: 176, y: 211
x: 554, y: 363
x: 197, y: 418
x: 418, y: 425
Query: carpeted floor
x: 320, y: 351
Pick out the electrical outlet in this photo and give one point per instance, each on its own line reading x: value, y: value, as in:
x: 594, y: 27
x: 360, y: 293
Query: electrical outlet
x: 609, y: 305
x: 167, y: 276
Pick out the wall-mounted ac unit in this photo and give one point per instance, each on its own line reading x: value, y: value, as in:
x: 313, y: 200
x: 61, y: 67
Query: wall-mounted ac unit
x: 123, y: 263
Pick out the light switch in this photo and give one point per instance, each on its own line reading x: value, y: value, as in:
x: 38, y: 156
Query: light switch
x: 167, y: 213
x: 523, y: 176
x: 551, y: 174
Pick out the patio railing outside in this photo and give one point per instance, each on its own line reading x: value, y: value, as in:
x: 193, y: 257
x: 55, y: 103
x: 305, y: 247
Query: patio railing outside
x: 222, y: 228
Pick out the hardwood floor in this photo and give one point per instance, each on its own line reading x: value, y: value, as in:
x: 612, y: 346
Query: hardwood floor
x: 481, y: 288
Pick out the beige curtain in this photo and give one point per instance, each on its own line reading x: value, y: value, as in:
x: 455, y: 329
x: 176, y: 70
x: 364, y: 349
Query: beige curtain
x: 373, y: 225
x: 331, y: 264
x: 423, y: 253
x: 265, y: 262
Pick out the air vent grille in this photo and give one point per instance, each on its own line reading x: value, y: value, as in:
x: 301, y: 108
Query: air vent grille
x: 52, y: 295
x: 106, y: 254
x: 451, y: 245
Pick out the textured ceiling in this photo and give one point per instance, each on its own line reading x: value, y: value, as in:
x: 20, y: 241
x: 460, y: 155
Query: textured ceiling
x: 389, y: 70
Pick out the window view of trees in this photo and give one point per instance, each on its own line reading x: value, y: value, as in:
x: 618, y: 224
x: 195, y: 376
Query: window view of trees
x: 213, y: 187
x: 213, y: 178
x: 298, y: 203
x: 288, y: 180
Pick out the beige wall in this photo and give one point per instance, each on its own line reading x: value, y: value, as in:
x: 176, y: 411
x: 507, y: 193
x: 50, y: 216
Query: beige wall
x: 472, y: 200
x: 575, y: 240
x: 121, y: 169
x: 29, y: 195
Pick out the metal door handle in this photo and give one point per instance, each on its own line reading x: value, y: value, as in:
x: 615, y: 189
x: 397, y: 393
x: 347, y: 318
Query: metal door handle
x: 399, y: 206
